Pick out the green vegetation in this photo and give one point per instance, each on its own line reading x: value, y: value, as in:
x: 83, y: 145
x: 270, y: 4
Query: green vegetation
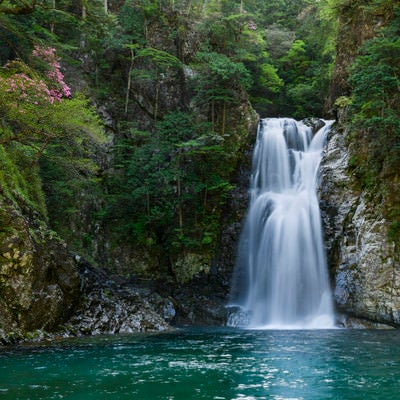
x: 175, y: 82
x: 33, y: 127
x: 374, y: 113
x: 186, y: 73
x: 167, y: 183
x: 375, y: 77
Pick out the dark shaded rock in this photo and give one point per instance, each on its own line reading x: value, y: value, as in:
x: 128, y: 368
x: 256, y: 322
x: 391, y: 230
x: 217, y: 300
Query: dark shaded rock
x: 112, y: 304
x: 314, y: 123
x: 200, y: 302
x: 234, y: 213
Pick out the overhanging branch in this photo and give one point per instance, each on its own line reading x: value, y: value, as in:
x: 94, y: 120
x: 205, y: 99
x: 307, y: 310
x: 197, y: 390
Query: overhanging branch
x: 20, y: 8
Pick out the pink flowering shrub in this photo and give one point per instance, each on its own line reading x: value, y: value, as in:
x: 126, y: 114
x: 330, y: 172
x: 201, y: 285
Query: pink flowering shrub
x: 59, y: 88
x: 22, y: 87
x: 23, y: 84
x: 252, y: 26
x: 34, y: 106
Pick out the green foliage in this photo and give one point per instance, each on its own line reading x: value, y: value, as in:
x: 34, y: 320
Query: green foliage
x: 220, y: 77
x: 269, y: 78
x: 286, y: 46
x: 375, y: 114
x: 162, y: 60
x: 46, y: 138
x: 35, y: 117
x: 306, y: 65
x: 176, y: 77
x: 343, y: 101
x: 20, y: 180
x: 219, y: 81
x: 375, y: 77
x: 394, y: 231
x: 172, y: 180
x: 132, y: 20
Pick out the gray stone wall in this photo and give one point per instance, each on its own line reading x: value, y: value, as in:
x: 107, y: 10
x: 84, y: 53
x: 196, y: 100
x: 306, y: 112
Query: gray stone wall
x: 363, y: 261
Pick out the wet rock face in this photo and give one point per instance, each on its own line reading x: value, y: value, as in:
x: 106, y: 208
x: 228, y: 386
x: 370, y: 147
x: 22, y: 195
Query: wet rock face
x: 39, y: 284
x: 362, y: 260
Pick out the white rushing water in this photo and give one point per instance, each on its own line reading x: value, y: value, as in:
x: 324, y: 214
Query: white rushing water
x: 281, y: 278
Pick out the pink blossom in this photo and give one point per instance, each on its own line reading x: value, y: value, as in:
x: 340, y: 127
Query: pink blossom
x: 252, y: 26
x: 48, y: 54
x: 26, y: 89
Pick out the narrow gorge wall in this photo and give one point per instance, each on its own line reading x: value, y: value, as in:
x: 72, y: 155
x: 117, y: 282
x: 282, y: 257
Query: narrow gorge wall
x: 362, y: 254
x: 363, y: 261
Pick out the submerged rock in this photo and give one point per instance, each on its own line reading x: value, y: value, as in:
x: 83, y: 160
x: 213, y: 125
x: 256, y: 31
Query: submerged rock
x: 350, y: 322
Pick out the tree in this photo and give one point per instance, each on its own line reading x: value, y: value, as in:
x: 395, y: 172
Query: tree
x: 157, y: 63
x: 33, y: 103
x: 375, y: 79
x: 20, y: 7
x: 220, y: 81
x: 33, y: 106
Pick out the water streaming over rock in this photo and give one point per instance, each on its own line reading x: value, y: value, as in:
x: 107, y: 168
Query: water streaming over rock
x: 281, y: 278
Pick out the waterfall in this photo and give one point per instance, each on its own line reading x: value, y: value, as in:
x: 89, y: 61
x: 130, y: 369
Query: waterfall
x: 281, y: 278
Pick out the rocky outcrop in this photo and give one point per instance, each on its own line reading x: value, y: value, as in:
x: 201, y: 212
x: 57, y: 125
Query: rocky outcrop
x: 200, y: 302
x: 363, y: 261
x: 39, y: 283
x: 112, y: 304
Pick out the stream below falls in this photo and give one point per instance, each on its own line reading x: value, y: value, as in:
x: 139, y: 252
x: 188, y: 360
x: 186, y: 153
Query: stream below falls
x: 209, y: 363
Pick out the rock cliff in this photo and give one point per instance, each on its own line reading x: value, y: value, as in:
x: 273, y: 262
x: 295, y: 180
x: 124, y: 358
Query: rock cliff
x: 363, y: 260
x: 362, y: 247
x: 39, y: 284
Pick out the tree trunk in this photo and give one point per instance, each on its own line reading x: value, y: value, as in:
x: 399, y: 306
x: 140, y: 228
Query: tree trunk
x: 128, y: 85
x: 52, y: 24
x: 223, y: 118
x: 204, y: 10
x: 180, y: 212
x: 148, y: 202
x: 189, y: 7
x: 156, y: 99
x: 212, y: 113
x: 205, y: 199
x: 83, y: 10
x: 83, y: 37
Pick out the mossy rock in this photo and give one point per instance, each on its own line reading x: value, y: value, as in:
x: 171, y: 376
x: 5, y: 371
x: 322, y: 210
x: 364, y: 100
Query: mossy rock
x: 189, y: 265
x: 39, y: 283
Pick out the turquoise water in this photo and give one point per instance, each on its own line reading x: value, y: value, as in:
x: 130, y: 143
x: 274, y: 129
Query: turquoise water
x: 208, y: 364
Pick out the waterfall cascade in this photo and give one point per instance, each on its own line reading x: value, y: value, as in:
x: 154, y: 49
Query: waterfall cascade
x: 281, y: 278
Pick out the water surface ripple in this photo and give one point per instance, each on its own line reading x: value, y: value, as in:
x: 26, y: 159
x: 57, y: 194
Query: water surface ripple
x: 208, y: 364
